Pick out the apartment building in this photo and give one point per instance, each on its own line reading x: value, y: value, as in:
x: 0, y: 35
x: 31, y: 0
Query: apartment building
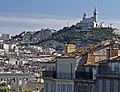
x: 61, y: 77
x: 76, y: 71
x: 108, y: 77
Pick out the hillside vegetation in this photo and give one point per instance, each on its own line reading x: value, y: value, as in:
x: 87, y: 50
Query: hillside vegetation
x: 65, y: 35
x: 94, y: 34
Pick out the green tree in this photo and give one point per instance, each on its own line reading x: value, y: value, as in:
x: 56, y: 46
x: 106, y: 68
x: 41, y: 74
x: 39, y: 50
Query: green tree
x: 4, y: 89
x: 27, y: 90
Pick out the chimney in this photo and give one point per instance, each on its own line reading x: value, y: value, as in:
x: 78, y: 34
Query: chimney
x: 108, y: 54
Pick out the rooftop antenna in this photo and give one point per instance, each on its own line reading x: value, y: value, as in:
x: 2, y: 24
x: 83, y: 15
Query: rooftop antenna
x: 102, y: 24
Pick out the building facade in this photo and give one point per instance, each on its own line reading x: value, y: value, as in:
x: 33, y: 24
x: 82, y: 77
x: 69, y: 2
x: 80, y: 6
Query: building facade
x: 77, y: 71
x: 61, y: 77
x: 5, y: 37
x: 108, y: 77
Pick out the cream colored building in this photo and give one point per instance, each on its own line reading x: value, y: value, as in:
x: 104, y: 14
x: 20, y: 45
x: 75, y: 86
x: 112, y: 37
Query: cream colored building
x: 62, y: 79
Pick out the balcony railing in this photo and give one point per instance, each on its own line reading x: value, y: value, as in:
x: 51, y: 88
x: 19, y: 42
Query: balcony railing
x: 84, y: 75
x: 109, y: 70
x: 51, y: 74
x: 68, y: 76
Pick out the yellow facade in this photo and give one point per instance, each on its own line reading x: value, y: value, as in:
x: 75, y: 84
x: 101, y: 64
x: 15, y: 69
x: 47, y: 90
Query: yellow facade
x: 69, y: 48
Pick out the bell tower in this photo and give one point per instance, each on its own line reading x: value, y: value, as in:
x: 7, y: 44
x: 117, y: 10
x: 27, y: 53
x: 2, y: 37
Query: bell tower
x: 84, y: 16
x: 95, y: 14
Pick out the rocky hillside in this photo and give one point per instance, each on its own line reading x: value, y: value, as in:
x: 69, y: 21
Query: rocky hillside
x: 65, y: 35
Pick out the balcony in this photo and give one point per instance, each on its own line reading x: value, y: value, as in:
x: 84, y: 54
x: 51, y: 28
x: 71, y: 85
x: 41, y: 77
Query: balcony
x: 84, y: 75
x: 53, y: 74
x: 107, y: 70
x: 67, y: 76
x: 50, y: 74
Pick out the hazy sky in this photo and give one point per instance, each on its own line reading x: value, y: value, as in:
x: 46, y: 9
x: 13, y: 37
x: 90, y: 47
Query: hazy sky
x: 23, y: 15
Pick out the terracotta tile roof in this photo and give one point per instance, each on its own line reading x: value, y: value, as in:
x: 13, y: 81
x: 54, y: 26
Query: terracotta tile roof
x: 90, y: 48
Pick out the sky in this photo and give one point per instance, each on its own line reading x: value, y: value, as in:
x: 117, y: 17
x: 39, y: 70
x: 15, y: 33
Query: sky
x: 32, y: 15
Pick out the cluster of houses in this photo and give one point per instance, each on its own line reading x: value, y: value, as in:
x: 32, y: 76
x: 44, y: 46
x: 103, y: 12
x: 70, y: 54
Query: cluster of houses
x: 94, y: 68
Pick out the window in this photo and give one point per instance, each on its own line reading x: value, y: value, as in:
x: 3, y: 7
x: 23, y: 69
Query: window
x: 81, y: 87
x: 116, y: 67
x: 63, y: 87
x: 46, y: 87
x: 115, y: 85
x: 69, y: 88
x: 100, y: 86
x: 93, y: 88
x: 107, y: 86
x: 67, y: 73
x: 86, y: 87
x: 52, y: 87
x: 60, y: 71
x: 113, y: 67
x: 72, y: 70
x: 59, y: 88
x: 119, y: 68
